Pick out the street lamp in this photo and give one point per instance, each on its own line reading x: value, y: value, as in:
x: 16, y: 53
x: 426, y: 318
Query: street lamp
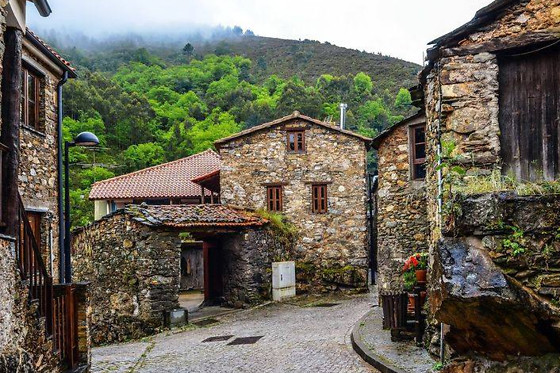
x: 85, y: 139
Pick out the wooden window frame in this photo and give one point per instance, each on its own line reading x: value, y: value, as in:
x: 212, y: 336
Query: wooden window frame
x: 319, y: 198
x: 414, y: 160
x: 299, y: 146
x: 27, y: 72
x: 275, y: 198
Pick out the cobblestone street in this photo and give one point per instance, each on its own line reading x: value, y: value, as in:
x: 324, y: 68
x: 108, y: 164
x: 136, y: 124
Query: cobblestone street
x: 295, y: 338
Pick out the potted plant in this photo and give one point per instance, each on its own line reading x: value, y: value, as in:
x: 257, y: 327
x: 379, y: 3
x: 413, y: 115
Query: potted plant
x: 414, y: 272
x: 417, y: 264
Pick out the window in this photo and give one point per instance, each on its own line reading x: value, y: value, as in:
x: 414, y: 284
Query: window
x: 418, y: 152
x: 296, y: 141
x: 31, y: 96
x: 529, y: 115
x: 274, y: 198
x: 319, y: 198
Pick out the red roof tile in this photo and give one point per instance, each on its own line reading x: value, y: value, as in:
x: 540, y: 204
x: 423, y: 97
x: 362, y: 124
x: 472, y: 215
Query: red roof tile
x: 190, y: 216
x: 168, y: 180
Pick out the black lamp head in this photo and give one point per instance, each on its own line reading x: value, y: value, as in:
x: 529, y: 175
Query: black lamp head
x: 86, y: 139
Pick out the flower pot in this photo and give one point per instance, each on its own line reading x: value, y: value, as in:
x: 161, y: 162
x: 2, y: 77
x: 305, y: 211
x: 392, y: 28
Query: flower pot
x: 411, y: 303
x: 421, y: 276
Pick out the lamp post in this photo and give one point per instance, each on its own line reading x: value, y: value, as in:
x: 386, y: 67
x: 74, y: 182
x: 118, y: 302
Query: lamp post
x: 85, y: 139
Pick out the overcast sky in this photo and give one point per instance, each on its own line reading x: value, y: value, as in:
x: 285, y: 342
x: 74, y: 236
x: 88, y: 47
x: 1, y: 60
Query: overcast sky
x: 399, y: 28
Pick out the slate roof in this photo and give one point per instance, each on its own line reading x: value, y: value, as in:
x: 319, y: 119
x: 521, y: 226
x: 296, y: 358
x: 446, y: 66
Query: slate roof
x: 482, y: 17
x: 376, y: 142
x: 53, y: 54
x: 192, y: 216
x: 168, y: 180
x: 294, y: 115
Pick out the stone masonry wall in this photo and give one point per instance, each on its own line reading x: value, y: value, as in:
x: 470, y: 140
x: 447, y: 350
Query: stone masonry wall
x: 134, y: 272
x: 38, y: 182
x: 402, y: 224
x: 332, y: 248
x: 473, y: 275
x: 248, y: 258
x: 24, y: 346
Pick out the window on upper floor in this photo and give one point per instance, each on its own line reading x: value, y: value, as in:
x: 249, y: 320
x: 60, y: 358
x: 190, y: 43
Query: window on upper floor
x: 274, y: 198
x: 529, y: 113
x: 31, y: 94
x: 319, y: 203
x: 418, y: 152
x: 296, y: 141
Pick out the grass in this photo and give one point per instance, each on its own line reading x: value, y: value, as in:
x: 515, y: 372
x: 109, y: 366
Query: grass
x: 496, y: 182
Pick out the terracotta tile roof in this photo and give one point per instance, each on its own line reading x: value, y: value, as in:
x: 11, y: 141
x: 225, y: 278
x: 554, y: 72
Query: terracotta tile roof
x: 191, y: 216
x: 168, y: 180
x: 53, y: 53
x: 294, y: 115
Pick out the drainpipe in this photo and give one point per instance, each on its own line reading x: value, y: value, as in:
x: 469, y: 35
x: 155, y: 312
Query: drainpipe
x: 61, y: 264
x: 43, y: 7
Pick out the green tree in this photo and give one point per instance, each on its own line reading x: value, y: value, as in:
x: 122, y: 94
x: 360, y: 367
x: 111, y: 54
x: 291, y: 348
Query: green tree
x: 141, y: 156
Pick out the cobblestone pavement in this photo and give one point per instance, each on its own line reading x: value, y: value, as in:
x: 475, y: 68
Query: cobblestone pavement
x: 295, y: 338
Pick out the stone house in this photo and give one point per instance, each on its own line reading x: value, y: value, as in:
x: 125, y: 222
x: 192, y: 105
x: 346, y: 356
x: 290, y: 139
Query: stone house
x: 33, y: 307
x: 314, y: 173
x: 490, y: 96
x: 164, y: 184
x: 132, y: 258
x: 401, y: 218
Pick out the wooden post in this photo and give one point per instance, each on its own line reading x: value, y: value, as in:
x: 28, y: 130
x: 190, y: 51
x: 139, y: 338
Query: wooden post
x: 211, y: 197
x: 11, y: 117
x: 202, y: 194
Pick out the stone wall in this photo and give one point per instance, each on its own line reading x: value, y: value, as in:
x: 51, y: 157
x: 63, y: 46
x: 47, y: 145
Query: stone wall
x: 24, y: 346
x: 332, y: 248
x: 38, y: 182
x: 492, y: 280
x: 134, y: 272
x: 402, y: 224
x: 248, y: 258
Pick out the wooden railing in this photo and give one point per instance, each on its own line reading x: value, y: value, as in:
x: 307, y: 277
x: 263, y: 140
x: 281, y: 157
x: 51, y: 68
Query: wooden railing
x: 55, y: 303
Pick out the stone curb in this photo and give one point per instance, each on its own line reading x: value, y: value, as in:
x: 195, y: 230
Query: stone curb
x: 366, y: 354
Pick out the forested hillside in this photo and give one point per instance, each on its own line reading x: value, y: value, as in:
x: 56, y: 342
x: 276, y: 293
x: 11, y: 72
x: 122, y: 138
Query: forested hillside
x: 150, y: 105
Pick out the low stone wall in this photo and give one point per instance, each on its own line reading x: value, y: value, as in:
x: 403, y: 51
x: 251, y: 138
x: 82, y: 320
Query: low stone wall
x: 134, y: 273
x: 248, y: 258
x: 499, y: 275
x: 24, y: 346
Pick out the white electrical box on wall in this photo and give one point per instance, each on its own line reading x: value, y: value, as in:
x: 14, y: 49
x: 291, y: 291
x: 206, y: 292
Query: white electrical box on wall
x: 283, y: 280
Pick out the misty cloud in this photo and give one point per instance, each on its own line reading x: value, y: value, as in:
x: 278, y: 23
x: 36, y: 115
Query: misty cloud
x: 397, y: 28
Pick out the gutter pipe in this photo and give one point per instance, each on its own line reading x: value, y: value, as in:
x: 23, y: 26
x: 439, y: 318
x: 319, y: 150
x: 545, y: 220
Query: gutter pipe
x: 61, y: 264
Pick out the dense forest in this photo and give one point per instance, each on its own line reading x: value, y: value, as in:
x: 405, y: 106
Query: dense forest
x: 150, y: 105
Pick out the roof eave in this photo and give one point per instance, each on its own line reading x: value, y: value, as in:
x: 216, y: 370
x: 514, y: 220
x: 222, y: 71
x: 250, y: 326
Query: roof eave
x: 39, y: 45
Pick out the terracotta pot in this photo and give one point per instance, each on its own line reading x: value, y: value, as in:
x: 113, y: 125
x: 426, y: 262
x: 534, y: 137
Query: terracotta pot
x: 411, y: 303
x: 421, y: 276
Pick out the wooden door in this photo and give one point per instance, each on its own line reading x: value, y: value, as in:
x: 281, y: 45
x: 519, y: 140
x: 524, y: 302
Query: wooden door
x: 35, y: 222
x: 530, y: 114
x: 213, y: 285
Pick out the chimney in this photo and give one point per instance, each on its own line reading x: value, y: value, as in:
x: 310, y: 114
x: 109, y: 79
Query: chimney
x: 343, y: 115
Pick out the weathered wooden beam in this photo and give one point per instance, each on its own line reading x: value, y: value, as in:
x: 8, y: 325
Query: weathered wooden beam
x: 11, y: 117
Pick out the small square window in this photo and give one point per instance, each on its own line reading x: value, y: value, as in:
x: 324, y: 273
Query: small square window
x: 418, y: 152
x: 296, y: 141
x: 274, y: 198
x: 319, y: 203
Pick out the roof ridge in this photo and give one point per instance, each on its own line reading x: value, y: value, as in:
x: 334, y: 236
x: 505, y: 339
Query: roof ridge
x: 296, y: 114
x: 144, y: 170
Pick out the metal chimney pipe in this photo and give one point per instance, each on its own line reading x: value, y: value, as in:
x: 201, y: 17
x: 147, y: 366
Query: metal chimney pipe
x: 343, y: 115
